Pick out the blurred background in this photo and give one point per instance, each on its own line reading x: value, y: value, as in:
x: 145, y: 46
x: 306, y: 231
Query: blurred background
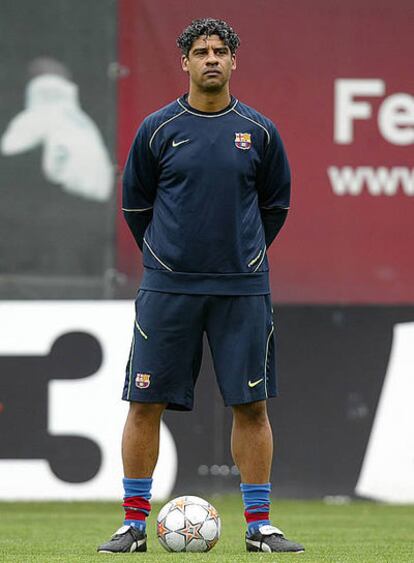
x: 77, y: 78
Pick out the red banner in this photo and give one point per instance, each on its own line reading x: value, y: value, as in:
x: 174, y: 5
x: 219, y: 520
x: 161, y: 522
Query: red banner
x: 336, y: 81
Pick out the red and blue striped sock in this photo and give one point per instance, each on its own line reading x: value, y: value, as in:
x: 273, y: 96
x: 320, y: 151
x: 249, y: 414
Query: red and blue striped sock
x: 137, y: 494
x: 256, y: 500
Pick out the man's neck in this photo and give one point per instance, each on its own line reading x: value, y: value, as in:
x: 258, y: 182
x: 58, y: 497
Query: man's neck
x: 208, y: 101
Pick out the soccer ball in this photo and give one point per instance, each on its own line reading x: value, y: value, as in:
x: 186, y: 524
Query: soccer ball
x: 188, y: 524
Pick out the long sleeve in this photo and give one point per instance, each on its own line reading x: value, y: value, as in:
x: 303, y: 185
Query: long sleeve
x: 273, y: 187
x: 273, y: 220
x: 139, y: 185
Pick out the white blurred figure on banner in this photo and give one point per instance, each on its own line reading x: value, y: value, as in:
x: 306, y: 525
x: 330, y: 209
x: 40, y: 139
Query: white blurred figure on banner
x: 74, y: 154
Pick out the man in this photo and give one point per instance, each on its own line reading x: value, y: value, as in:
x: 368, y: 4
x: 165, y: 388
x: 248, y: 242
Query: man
x: 206, y: 189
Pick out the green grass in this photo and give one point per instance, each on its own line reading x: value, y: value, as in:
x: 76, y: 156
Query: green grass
x: 69, y: 532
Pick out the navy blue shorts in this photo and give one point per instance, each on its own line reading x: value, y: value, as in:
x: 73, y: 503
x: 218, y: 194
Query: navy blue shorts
x: 167, y: 347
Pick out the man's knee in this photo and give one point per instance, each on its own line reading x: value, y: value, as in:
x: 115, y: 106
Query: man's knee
x: 145, y: 411
x: 251, y: 413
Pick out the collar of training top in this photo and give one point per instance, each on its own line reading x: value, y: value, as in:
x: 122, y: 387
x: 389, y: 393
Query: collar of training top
x: 183, y: 101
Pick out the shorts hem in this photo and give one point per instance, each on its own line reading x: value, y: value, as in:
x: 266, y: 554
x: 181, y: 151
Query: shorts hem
x: 247, y: 400
x: 172, y: 403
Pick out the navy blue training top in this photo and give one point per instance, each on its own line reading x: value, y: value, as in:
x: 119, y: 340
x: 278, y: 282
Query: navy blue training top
x: 199, y: 195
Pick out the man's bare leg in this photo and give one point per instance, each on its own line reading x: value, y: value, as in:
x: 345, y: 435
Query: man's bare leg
x: 140, y: 446
x: 252, y: 442
x: 252, y: 449
x: 141, y: 439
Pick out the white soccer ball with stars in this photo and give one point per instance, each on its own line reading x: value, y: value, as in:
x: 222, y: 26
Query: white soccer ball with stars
x: 188, y: 524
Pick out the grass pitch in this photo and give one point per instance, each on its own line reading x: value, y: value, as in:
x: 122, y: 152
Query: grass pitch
x: 69, y: 533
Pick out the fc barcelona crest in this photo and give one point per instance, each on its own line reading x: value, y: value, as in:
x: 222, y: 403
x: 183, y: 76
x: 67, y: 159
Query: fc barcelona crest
x: 142, y: 380
x: 243, y: 141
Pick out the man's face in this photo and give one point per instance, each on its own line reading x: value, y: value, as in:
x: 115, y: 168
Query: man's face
x: 209, y: 63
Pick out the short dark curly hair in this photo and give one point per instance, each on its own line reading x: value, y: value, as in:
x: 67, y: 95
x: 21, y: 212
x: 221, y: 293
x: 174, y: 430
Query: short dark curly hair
x: 208, y: 26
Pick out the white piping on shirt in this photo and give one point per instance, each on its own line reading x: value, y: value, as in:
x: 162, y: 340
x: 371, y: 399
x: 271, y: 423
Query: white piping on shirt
x: 156, y: 257
x: 260, y: 263
x: 138, y: 210
x: 252, y: 262
x: 253, y: 121
x: 162, y: 125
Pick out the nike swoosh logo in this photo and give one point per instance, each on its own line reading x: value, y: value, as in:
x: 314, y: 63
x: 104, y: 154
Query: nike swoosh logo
x: 178, y: 143
x: 254, y: 383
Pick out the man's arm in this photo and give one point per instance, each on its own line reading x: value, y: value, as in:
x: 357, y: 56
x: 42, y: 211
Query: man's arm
x: 273, y: 187
x: 139, y: 186
x: 273, y: 220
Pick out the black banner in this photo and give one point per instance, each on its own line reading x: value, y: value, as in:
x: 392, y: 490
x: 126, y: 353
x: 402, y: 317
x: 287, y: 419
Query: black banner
x: 332, y: 362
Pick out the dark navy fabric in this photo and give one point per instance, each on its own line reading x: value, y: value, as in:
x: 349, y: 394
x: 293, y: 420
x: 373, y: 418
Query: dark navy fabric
x: 167, y: 348
x: 199, y: 194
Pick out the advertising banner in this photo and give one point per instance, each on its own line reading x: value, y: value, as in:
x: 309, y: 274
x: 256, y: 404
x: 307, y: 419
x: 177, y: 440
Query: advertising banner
x: 57, y: 164
x: 62, y: 367
x: 342, y: 422
x: 337, y: 83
